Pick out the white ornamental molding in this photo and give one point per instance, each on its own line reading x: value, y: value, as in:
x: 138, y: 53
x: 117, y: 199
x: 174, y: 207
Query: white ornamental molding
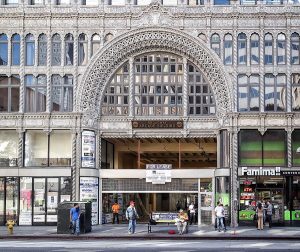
x: 104, y: 64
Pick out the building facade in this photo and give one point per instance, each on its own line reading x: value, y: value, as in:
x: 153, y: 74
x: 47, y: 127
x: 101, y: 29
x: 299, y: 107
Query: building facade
x: 163, y: 102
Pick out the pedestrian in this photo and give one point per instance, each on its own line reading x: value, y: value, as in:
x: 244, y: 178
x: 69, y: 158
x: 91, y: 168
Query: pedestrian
x: 131, y: 216
x: 115, y: 209
x: 181, y: 221
x: 178, y: 206
x: 260, y: 216
x: 269, y: 213
x: 220, y: 213
x: 74, y: 219
x: 192, y: 212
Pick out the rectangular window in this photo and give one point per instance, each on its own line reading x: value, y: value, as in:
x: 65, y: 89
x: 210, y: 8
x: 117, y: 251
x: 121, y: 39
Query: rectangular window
x: 35, y: 93
x: 281, y: 53
x: 242, y: 52
x: 296, y: 147
x: 268, y: 52
x: 254, y: 52
x: 2, y: 197
x: 274, y: 148
x: 9, y: 93
x: 9, y: 141
x: 52, y: 199
x: 15, y: 49
x: 12, y: 196
x: 295, y: 79
x: 60, y: 154
x: 25, y: 217
x: 228, y: 52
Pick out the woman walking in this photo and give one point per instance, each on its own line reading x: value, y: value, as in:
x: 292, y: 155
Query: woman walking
x: 260, y: 216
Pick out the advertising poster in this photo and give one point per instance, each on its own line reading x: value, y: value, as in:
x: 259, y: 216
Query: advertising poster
x: 89, y: 188
x: 158, y: 173
x: 88, y: 146
x: 25, y: 219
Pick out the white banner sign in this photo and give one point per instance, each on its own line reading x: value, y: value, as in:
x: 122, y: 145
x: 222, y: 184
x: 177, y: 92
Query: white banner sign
x: 88, y: 146
x: 158, y: 173
x: 259, y: 171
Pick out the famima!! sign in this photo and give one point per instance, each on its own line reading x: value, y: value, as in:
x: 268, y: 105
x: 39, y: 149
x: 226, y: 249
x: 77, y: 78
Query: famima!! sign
x: 261, y: 171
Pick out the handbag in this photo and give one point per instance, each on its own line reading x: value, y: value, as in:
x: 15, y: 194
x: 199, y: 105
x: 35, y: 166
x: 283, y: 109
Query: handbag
x: 255, y: 217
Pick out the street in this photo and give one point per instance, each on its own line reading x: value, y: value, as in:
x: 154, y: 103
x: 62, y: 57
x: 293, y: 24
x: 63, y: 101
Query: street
x: 147, y: 245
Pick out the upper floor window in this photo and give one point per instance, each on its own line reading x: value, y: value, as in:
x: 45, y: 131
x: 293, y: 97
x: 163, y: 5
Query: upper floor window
x: 268, y: 59
x: 221, y: 2
x: 82, y: 50
x: 36, y: 2
x: 69, y: 50
x: 56, y: 50
x: 274, y: 1
x: 195, y: 2
x: 9, y: 140
x: 275, y: 92
x: 42, y: 50
x: 248, y: 93
x: 202, y: 37
x: 169, y: 2
x: 3, y: 50
x: 89, y: 2
x: 30, y: 50
x: 254, y: 49
x: 63, y: 2
x: 228, y: 49
x: 242, y: 49
x: 10, y: 2
x: 142, y: 2
x: 62, y: 93
x: 9, y: 93
x: 116, y: 2
x: 281, y: 49
x: 95, y: 44
x: 295, y: 91
x: 35, y: 93
x: 295, y: 49
x: 108, y: 37
x: 215, y: 43
x: 15, y: 49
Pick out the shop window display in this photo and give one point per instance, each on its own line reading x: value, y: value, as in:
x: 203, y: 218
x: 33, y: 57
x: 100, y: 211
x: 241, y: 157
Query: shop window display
x: 296, y: 147
x: 2, y: 197
x: 11, y: 198
x: 9, y: 148
x: 25, y: 217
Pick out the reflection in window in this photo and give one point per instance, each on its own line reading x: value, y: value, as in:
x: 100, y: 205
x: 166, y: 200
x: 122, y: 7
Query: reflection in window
x: 62, y: 93
x: 242, y: 49
x: 36, y: 148
x: 274, y: 148
x: 3, y: 50
x: 52, y: 199
x: 11, y: 199
x: 15, y: 50
x: 295, y: 49
x: 107, y: 155
x: 30, y: 48
x: 254, y: 49
x: 221, y: 2
x: 215, y: 43
x: 82, y: 50
x: 9, y: 93
x: 60, y: 154
x: 281, y: 49
x: 69, y: 50
x: 116, y: 2
x: 56, y: 50
x: 228, y: 49
x: 10, y: 2
x: 295, y: 92
x: 296, y: 147
x: 25, y: 201
x: 89, y: 2
x: 63, y: 2
x: 95, y: 44
x: 35, y: 93
x: 248, y: 93
x: 9, y: 148
x: 275, y: 92
x: 39, y: 202
x: 42, y: 50
x: 142, y: 2
x: 268, y: 59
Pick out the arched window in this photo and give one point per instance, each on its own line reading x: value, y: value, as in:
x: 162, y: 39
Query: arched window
x: 295, y: 79
x: 42, y: 50
x: 202, y: 37
x: 15, y: 49
x: 268, y: 58
x: 95, y: 44
x: 281, y: 49
x: 108, y: 37
x: 56, y: 50
x: 62, y: 93
x: 30, y: 50
x: 228, y: 49
x: 295, y: 49
x: 242, y: 49
x: 3, y: 50
x: 69, y: 50
x: 82, y: 50
x: 254, y: 49
x: 215, y: 43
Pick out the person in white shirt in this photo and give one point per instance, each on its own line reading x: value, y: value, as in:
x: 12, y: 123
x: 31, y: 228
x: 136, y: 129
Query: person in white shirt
x: 192, y: 212
x: 220, y: 213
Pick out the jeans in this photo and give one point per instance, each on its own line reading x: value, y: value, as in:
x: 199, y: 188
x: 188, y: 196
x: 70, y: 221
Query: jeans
x: 76, y: 227
x: 269, y: 219
x: 115, y: 216
x: 220, y: 223
x: 131, y: 226
x: 192, y: 218
x: 181, y: 226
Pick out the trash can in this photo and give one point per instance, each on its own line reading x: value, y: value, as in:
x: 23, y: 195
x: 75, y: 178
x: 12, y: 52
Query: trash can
x: 63, y: 217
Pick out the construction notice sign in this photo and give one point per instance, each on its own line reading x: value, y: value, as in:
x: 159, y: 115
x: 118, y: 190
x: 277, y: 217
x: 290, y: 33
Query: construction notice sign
x: 158, y: 173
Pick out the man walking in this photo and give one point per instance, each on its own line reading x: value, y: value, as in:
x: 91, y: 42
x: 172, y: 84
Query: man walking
x: 131, y: 216
x: 269, y: 213
x: 192, y: 213
x: 115, y: 209
x: 74, y: 219
x: 220, y: 213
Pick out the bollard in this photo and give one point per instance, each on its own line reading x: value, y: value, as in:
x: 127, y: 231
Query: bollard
x: 10, y: 226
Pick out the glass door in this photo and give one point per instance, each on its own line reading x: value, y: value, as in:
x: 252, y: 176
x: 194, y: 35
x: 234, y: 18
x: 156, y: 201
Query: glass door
x: 39, y: 205
x: 52, y: 200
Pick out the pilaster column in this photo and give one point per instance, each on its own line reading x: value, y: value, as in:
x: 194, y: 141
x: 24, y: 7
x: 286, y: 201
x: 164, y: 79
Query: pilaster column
x: 131, y: 87
x: 22, y: 73
x: 261, y: 65
x: 48, y: 106
x: 98, y: 149
x: 75, y: 67
x: 185, y: 88
x: 289, y: 148
x: 76, y: 163
x: 21, y: 145
x: 234, y: 72
x: 288, y: 64
x: 218, y: 149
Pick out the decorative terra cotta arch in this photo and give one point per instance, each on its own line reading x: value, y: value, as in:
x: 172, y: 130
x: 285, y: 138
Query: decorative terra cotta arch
x: 104, y: 64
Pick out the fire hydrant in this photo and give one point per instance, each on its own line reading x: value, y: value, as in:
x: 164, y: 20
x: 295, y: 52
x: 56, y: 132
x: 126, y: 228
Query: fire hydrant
x: 10, y: 226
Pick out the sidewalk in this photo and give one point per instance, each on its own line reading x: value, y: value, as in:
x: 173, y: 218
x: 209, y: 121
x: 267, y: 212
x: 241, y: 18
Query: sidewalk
x: 109, y: 231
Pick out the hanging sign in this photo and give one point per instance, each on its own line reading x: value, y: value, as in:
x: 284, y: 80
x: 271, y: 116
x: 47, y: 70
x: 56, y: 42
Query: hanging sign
x: 88, y: 146
x: 158, y: 173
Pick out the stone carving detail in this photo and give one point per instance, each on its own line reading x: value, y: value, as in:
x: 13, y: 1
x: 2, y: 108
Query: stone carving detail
x: 90, y: 90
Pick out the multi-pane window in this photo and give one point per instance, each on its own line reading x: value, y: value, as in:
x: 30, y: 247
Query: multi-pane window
x: 268, y: 58
x: 116, y: 99
x: 158, y: 85
x: 30, y: 50
x: 35, y: 93
x: 3, y: 50
x: 95, y: 44
x: 248, y: 93
x: 295, y: 49
x: 215, y: 43
x: 275, y: 92
x: 82, y: 50
x: 42, y: 50
x: 15, y: 50
x: 295, y: 91
x: 116, y: 2
x: 56, y: 50
x: 9, y: 93
x: 281, y: 49
x: 200, y: 96
x: 228, y: 49
x: 36, y: 2
x: 242, y: 49
x: 89, y: 2
x: 69, y: 50
x: 254, y: 49
x: 10, y: 2
x: 63, y: 2
x: 62, y: 93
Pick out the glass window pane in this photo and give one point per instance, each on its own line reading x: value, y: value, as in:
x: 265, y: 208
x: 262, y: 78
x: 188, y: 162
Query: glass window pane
x: 281, y: 49
x: 274, y: 148
x: 15, y: 50
x: 12, y: 192
x: 30, y: 50
x: 250, y: 148
x: 254, y: 47
x: 56, y: 50
x: 268, y: 59
x: 60, y: 154
x: 228, y: 49
x: 52, y: 199
x: 8, y: 148
x: 25, y: 217
x: 269, y: 99
x: 243, y: 98
x: 65, y: 189
x: 295, y: 48
x: 39, y: 205
x: 242, y: 49
x: 3, y: 49
x: 42, y: 50
x: 36, y: 148
x: 2, y: 197
x: 296, y: 147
